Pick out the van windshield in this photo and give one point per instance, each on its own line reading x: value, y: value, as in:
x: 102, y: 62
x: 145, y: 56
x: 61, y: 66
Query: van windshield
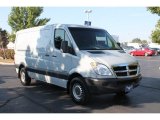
x: 93, y: 39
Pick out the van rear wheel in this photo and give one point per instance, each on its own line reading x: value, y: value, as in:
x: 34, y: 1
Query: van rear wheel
x: 79, y: 91
x: 24, y: 78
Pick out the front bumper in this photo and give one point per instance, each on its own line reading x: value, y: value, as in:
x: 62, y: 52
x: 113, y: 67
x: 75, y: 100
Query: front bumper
x: 111, y: 85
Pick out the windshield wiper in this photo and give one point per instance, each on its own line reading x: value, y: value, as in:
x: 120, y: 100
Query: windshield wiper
x: 97, y: 48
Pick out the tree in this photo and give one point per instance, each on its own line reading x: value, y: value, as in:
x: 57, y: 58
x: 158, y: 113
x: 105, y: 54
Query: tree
x: 12, y: 37
x: 136, y: 40
x: 25, y: 17
x: 3, y: 38
x: 144, y: 41
x: 155, y: 36
x: 3, y: 41
x: 154, y: 10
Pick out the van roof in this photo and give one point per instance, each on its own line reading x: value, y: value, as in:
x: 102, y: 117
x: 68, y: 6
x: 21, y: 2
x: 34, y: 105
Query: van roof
x: 74, y: 25
x: 55, y: 25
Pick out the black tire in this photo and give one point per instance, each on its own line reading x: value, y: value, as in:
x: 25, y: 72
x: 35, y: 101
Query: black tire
x: 78, y: 86
x: 24, y: 78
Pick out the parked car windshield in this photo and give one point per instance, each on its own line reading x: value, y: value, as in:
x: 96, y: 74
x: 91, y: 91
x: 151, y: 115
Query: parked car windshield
x: 93, y: 39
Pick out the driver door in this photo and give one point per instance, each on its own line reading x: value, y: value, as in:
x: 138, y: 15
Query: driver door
x: 62, y: 61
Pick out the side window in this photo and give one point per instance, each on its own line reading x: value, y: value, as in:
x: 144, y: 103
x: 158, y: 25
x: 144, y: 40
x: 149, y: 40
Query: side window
x: 59, y: 37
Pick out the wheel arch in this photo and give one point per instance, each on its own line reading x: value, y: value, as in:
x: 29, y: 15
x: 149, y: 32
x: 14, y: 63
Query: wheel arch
x: 22, y: 65
x: 73, y: 75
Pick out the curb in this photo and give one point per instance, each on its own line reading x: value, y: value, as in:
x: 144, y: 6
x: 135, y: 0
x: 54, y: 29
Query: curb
x: 1, y: 63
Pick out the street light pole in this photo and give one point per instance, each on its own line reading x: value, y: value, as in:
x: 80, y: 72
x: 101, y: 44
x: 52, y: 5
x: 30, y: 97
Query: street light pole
x: 88, y: 11
x: 88, y: 23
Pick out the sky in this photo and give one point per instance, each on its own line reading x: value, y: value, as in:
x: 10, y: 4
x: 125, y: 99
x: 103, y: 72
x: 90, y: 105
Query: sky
x: 126, y: 22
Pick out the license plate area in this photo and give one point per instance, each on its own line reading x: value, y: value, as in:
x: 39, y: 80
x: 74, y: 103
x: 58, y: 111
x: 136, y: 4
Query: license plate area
x: 128, y: 88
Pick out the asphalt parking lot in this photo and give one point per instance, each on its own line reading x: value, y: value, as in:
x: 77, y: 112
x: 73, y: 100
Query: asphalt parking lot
x: 44, y: 98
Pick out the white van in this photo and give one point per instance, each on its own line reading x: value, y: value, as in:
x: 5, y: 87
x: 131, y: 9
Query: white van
x: 84, y: 60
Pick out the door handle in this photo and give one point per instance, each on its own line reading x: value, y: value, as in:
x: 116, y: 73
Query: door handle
x: 46, y: 55
x: 54, y: 56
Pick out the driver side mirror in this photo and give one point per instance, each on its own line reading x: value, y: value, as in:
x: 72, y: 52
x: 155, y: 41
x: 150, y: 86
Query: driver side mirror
x: 64, y: 46
x: 119, y: 44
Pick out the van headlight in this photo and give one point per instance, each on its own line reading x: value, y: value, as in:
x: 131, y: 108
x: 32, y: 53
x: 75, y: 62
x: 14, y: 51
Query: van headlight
x: 101, y: 69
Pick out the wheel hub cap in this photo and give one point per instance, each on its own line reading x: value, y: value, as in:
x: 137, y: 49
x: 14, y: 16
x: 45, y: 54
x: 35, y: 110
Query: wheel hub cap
x: 77, y: 91
x: 23, y: 77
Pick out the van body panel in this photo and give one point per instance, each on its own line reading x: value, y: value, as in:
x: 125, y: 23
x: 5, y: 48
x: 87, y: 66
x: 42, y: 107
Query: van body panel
x: 110, y: 57
x: 48, y: 79
x: 36, y: 48
x: 81, y: 65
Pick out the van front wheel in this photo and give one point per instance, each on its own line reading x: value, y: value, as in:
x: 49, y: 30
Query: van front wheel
x: 24, y: 78
x: 79, y: 91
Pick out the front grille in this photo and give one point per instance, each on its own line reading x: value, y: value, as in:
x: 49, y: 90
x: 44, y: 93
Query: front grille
x: 133, y: 73
x: 119, y: 68
x: 132, y: 67
x: 121, y: 74
x: 126, y: 70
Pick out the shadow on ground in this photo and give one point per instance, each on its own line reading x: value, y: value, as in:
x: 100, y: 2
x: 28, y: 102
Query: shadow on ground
x: 43, y: 97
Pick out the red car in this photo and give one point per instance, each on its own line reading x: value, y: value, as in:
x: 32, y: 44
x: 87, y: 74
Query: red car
x: 143, y: 52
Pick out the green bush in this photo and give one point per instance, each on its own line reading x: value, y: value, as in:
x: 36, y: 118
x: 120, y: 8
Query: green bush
x: 9, y: 54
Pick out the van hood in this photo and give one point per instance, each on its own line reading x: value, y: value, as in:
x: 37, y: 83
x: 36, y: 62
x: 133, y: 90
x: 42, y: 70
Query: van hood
x: 111, y: 57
